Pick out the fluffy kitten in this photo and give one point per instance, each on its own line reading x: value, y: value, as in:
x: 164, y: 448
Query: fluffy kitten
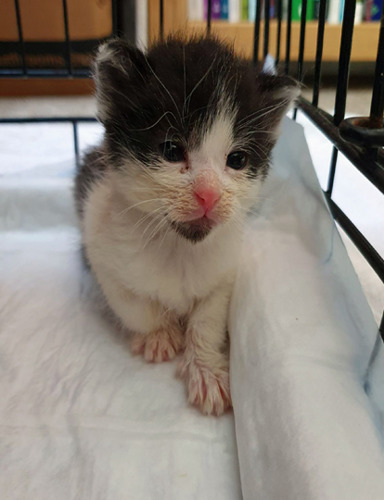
x: 189, y: 128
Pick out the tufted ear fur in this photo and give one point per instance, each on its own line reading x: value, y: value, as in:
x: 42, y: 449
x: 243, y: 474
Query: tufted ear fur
x: 119, y: 69
x: 279, y: 94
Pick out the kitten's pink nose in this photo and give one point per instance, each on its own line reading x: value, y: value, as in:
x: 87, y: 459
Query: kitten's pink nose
x: 207, y: 197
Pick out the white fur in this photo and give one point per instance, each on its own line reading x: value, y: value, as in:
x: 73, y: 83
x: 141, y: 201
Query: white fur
x: 161, y: 285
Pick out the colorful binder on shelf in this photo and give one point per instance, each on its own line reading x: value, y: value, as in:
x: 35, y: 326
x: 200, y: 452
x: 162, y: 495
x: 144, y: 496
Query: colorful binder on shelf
x: 224, y: 9
x: 373, y: 10
x: 296, y: 10
x: 244, y: 10
x: 251, y: 10
x: 215, y: 9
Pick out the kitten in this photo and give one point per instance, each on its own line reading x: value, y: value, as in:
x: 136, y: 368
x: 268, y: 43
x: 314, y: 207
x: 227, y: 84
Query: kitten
x: 189, y: 129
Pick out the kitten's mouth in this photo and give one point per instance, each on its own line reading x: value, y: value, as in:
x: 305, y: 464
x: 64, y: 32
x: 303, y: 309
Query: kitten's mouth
x: 194, y: 230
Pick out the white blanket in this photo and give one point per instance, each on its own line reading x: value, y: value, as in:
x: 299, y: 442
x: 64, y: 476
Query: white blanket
x: 307, y: 365
x: 80, y: 419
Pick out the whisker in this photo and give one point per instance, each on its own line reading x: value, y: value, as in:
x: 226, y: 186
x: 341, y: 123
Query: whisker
x: 155, y: 220
x: 150, y: 189
x: 151, y: 126
x: 263, y: 111
x: 164, y: 236
x: 155, y: 231
x: 145, y: 217
x: 164, y: 87
x: 126, y: 210
x: 188, y: 99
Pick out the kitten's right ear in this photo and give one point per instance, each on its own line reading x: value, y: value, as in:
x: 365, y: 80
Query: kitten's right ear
x: 119, y: 66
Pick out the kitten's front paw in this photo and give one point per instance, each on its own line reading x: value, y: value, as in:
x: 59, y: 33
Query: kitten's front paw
x: 160, y: 345
x: 207, y: 389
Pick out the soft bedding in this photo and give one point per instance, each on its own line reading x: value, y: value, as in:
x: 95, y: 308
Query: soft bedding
x: 307, y: 361
x: 80, y: 418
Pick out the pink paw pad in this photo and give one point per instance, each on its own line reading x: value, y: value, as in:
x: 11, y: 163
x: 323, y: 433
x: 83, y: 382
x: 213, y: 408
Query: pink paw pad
x: 207, y: 390
x: 157, y: 346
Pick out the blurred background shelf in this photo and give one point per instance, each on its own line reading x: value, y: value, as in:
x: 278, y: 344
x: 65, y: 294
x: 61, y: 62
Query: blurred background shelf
x: 90, y: 22
x: 364, y: 46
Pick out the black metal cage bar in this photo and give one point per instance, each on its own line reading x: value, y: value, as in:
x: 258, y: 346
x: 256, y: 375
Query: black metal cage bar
x: 161, y: 19
x: 342, y: 79
x: 377, y: 104
x: 288, y: 37
x: 115, y: 21
x: 344, y: 60
x: 256, y: 40
x: 301, y: 47
x: 267, y: 10
x: 319, y: 52
x: 279, y: 12
x: 209, y: 16
x: 67, y: 40
x: 302, y: 40
x: 21, y: 38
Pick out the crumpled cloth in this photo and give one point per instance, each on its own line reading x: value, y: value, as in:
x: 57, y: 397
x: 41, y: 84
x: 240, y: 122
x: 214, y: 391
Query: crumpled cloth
x: 307, y: 365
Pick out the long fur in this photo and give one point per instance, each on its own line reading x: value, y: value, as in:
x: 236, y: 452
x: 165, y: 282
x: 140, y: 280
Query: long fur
x: 164, y: 253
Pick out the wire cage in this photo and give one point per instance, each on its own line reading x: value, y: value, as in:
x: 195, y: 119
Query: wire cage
x: 360, y: 139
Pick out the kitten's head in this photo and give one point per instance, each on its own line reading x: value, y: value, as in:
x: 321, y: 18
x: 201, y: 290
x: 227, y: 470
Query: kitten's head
x: 189, y: 129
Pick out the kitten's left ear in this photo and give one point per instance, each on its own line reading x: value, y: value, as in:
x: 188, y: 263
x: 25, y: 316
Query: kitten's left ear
x: 279, y: 94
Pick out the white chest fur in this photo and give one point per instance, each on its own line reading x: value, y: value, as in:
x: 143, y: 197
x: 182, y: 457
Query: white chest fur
x: 168, y: 268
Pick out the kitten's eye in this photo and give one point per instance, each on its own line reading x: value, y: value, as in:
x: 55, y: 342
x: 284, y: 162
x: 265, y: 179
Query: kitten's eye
x: 237, y: 160
x: 172, y: 151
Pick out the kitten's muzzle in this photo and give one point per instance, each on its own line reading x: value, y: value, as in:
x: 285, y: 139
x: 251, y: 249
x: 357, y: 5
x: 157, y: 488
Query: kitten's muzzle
x: 207, y: 197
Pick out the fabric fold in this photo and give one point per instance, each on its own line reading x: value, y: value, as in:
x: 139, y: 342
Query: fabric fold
x: 302, y: 337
